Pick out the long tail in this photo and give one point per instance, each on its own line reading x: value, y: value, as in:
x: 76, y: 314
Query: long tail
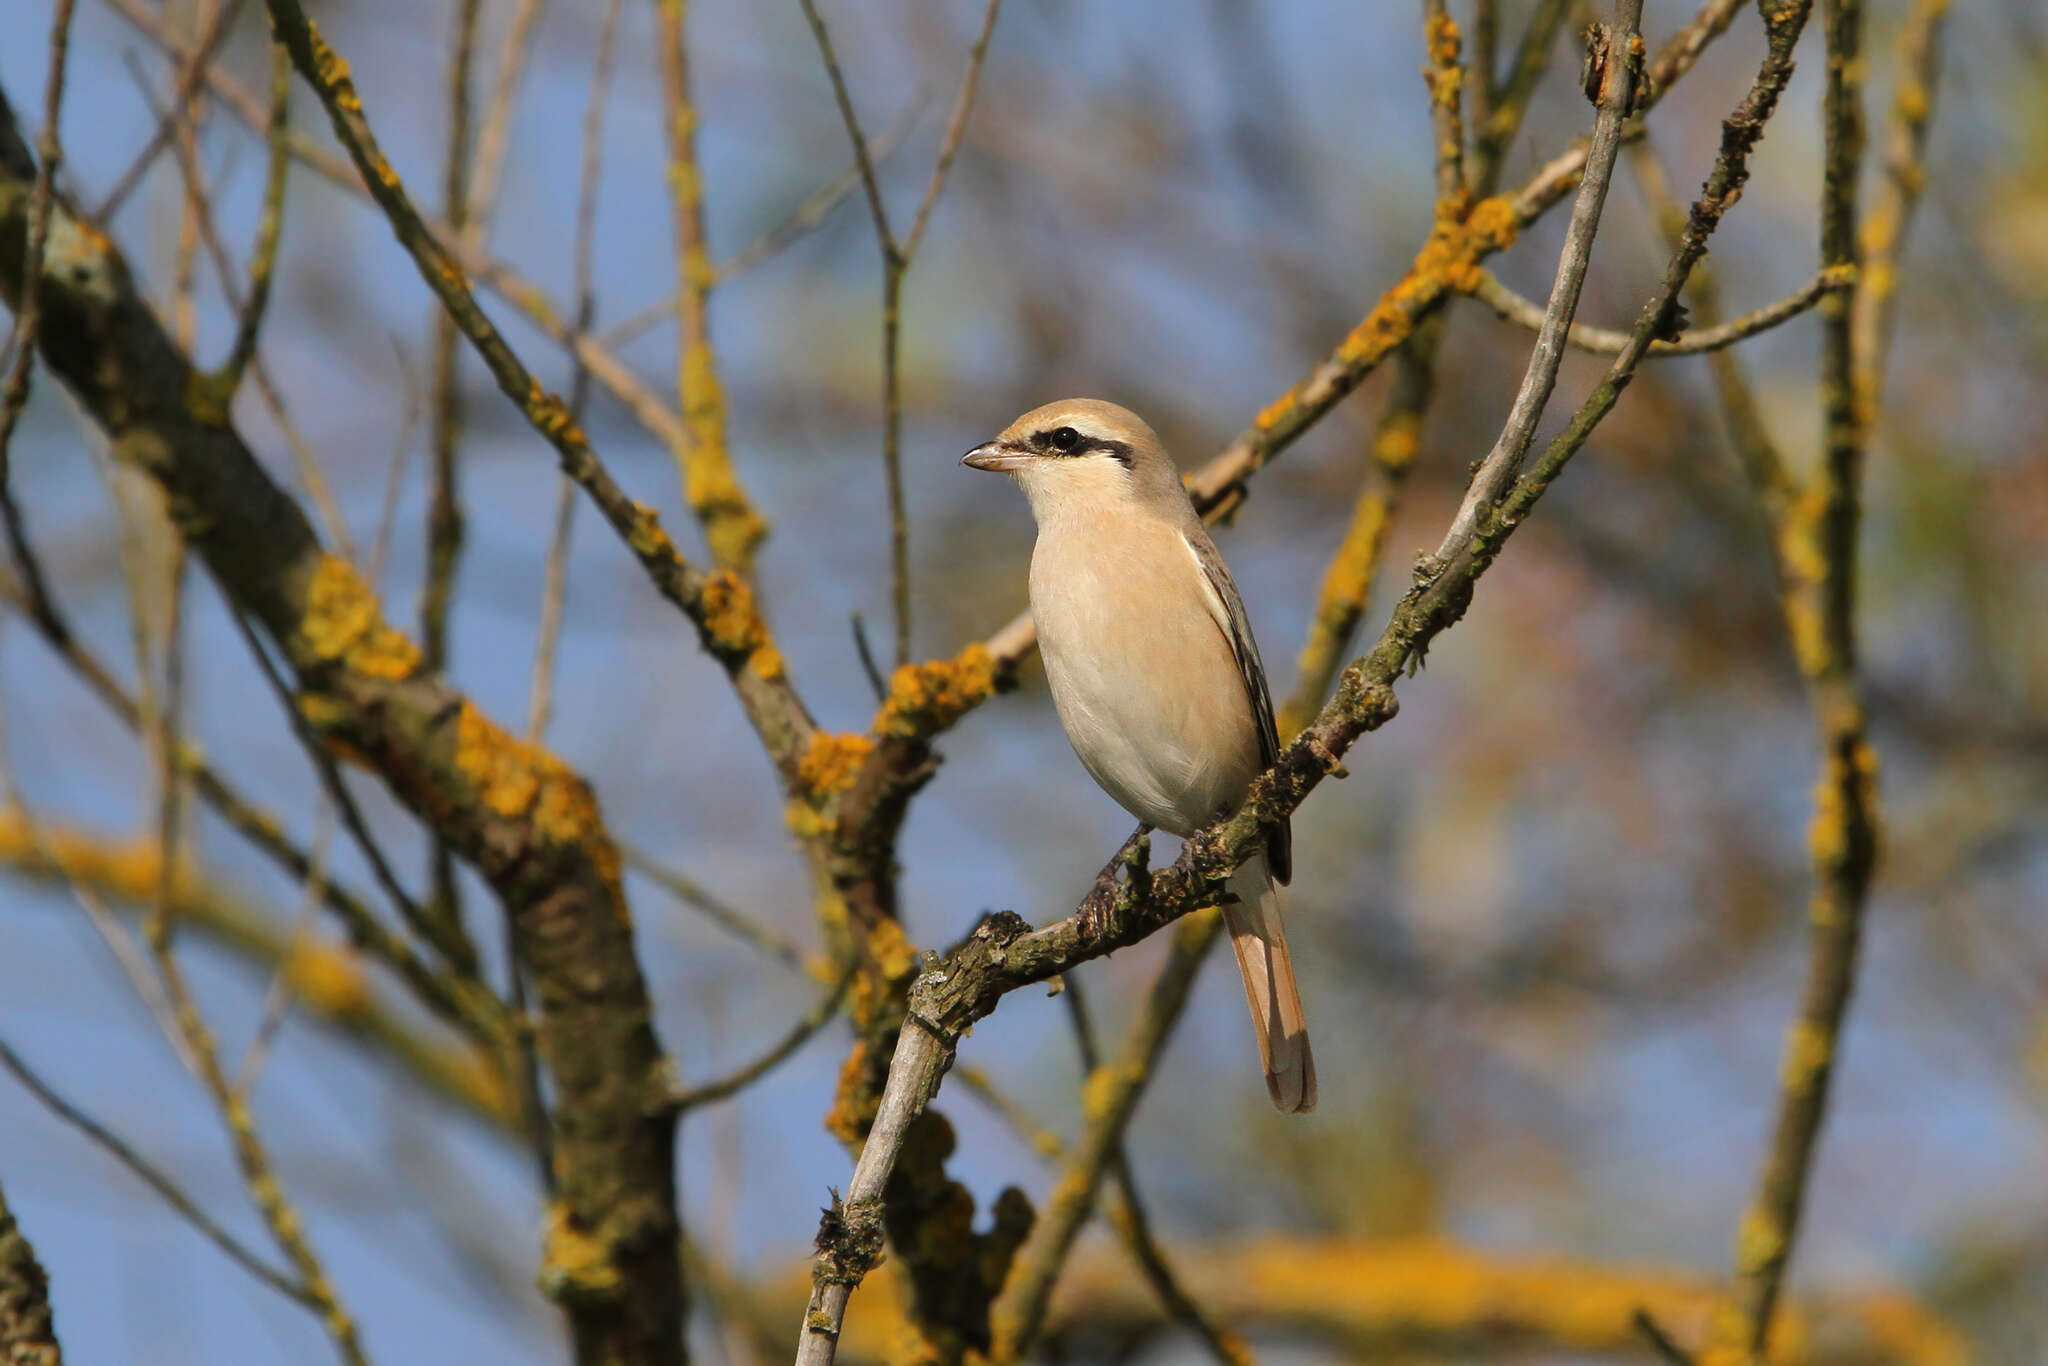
x: 1261, y: 944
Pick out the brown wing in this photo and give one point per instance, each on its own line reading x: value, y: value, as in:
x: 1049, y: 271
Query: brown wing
x: 1227, y: 608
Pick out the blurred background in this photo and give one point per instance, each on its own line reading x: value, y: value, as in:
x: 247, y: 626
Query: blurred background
x: 1552, y: 929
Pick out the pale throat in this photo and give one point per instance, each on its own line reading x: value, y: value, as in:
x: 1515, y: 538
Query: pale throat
x: 1063, y: 489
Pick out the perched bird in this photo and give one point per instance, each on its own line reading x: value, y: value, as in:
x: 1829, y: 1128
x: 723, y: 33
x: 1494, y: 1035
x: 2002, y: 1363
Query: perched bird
x: 1154, y: 672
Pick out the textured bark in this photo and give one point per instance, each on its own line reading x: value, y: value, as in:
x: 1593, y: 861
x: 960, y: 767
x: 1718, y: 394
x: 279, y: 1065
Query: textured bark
x: 527, y: 823
x: 28, y: 1333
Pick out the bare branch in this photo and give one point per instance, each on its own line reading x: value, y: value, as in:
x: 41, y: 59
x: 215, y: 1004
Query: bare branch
x: 152, y: 1176
x: 1614, y: 66
x: 698, y: 898
x: 1605, y: 341
x: 1113, y: 1095
x: 799, y: 1034
x: 555, y: 589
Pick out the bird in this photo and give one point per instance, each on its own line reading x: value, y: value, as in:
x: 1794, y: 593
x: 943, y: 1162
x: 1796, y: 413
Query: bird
x: 1155, y: 675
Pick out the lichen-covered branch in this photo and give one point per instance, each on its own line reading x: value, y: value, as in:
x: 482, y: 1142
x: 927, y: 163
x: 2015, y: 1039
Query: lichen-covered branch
x: 732, y: 527
x: 28, y: 1330
x: 529, y: 825
x: 1816, y: 535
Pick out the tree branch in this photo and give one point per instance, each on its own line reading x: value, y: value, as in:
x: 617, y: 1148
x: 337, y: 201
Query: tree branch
x: 28, y: 1331
x: 1604, y: 341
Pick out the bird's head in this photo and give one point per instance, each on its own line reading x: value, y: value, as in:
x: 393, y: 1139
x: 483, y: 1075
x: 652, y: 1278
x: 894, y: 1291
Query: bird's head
x: 1081, y: 451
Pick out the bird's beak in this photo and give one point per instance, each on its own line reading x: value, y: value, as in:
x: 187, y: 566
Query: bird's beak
x: 998, y: 456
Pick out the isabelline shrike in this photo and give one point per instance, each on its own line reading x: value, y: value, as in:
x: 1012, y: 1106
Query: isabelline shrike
x: 1154, y: 671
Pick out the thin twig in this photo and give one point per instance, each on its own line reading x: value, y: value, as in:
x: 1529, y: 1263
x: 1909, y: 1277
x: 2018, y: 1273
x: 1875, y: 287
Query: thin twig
x: 1113, y: 1095
x: 1128, y: 1215
x: 192, y: 76
x: 696, y: 897
x: 152, y: 1176
x: 444, y: 400
x: 869, y: 669
x: 185, y: 256
x: 277, y: 997
x: 493, y: 137
x: 1820, y: 532
x: 28, y: 318
x: 1480, y: 80
x: 1493, y: 130
x: 449, y: 998
x: 1660, y: 1341
x: 1615, y: 66
x: 286, y: 1227
x: 426, y: 927
x: 1883, y: 234
x: 896, y: 259
x: 808, y: 213
x: 1605, y: 341
x: 200, y: 214
x: 269, y: 232
x: 555, y: 585
x: 800, y: 1033
x: 720, y: 605
x: 445, y: 519
x: 956, y: 131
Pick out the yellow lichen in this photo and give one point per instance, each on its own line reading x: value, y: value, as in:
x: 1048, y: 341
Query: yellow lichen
x: 726, y: 615
x: 516, y: 780
x: 1443, y: 38
x: 647, y: 538
x: 573, y: 1263
x: 329, y: 977
x: 831, y: 762
x: 805, y: 821
x: 926, y: 698
x: 341, y: 624
x: 890, y: 950
x: 1807, y: 1051
x: 1846, y: 786
x: 1758, y: 1243
x: 1398, y: 439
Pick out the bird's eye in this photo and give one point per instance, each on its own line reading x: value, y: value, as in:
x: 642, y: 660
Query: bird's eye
x: 1065, y: 439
